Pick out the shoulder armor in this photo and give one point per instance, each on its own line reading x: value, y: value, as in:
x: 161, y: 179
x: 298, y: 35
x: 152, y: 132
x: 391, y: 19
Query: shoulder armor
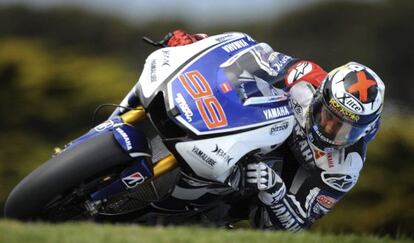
x: 305, y: 71
x: 301, y: 95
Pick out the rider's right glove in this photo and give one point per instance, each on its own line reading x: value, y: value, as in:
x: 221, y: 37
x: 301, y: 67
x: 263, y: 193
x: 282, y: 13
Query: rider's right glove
x: 271, y: 187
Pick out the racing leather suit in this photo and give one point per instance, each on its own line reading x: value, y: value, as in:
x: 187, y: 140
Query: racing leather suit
x: 315, y: 181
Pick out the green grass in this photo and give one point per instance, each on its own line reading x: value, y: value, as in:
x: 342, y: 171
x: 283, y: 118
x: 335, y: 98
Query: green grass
x: 11, y: 231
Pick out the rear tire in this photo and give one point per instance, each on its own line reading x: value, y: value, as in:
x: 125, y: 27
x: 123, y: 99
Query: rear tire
x: 62, y: 174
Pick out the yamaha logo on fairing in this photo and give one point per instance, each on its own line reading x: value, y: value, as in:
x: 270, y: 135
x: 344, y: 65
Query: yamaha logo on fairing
x: 276, y: 112
x: 125, y: 137
x: 234, y: 46
x: 203, y: 156
x: 220, y: 152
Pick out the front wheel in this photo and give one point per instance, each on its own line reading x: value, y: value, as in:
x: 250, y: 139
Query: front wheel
x: 54, y: 190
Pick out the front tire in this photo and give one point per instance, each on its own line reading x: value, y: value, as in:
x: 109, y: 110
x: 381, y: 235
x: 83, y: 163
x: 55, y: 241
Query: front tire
x: 62, y: 174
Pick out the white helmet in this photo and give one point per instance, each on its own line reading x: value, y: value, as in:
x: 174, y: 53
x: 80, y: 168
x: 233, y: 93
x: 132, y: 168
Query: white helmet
x: 345, y: 107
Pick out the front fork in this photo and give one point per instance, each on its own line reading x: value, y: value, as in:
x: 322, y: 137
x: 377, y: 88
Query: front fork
x: 162, y: 166
x: 132, y: 142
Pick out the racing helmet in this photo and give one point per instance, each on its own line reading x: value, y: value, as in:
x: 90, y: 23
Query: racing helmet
x: 345, y: 107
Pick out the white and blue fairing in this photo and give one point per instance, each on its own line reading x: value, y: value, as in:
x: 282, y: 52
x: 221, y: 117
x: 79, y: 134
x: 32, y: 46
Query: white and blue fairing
x: 221, y: 86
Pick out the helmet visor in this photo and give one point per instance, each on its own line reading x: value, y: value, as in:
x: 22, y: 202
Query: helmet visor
x: 330, y: 128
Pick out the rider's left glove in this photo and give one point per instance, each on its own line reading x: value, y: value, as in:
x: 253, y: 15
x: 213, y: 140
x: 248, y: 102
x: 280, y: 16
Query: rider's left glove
x: 271, y: 187
x: 181, y: 38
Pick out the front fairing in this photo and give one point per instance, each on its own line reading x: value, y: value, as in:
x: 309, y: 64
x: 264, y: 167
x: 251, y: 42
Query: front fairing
x: 213, y: 98
x: 209, y: 88
x: 219, y: 93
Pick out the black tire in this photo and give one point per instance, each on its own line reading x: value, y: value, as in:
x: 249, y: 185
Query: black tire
x: 62, y: 173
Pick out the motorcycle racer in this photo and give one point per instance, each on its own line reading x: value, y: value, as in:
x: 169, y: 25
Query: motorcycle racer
x: 338, y: 114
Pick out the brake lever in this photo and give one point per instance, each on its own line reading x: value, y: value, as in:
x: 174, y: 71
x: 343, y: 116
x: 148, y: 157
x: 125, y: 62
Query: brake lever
x: 154, y: 43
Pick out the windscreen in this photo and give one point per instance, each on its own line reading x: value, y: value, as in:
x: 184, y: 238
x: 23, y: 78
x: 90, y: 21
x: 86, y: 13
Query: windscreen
x: 251, y: 74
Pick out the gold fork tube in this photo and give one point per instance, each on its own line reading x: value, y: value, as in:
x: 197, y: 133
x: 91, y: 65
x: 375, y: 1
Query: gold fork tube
x: 164, y: 165
x: 134, y: 116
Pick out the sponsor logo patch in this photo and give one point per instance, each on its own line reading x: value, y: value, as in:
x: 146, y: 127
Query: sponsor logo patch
x: 278, y: 60
x: 133, y: 180
x: 321, y: 136
x: 278, y: 127
x: 326, y: 201
x: 165, y: 58
x: 350, y: 102
x: 299, y: 71
x: 225, y: 87
x: 330, y: 160
x: 285, y: 216
x: 104, y: 125
x: 302, y: 146
x: 221, y: 153
x: 339, y: 182
x: 182, y: 103
x: 153, y: 71
x: 296, y: 106
x: 203, y: 156
x: 342, y: 110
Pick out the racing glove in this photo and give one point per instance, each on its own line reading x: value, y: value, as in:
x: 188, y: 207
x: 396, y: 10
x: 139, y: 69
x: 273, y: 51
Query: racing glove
x: 181, y: 38
x: 271, y: 187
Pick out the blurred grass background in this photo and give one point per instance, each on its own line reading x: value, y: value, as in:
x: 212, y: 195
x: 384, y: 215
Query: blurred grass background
x: 57, y: 65
x: 17, y: 232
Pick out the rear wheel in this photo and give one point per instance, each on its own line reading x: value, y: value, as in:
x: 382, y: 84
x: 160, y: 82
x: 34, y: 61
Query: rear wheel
x: 58, y: 189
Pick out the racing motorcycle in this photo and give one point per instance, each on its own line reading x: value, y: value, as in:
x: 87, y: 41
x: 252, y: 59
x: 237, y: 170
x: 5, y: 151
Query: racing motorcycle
x: 176, y: 147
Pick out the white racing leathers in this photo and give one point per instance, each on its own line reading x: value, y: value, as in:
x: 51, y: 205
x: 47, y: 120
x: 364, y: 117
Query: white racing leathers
x: 315, y: 180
